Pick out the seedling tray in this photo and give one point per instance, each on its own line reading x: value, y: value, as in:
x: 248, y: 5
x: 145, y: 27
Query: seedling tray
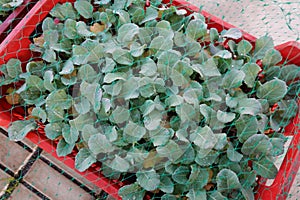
x: 16, y: 45
x: 16, y: 16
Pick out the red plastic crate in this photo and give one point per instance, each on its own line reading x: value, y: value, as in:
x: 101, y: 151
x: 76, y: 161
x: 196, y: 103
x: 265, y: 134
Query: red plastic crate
x: 11, y: 21
x: 16, y: 45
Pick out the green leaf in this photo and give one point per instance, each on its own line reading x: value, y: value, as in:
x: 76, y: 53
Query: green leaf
x: 171, y: 150
x: 257, y: 144
x: 203, y: 137
x: 213, y: 34
x: 248, y: 193
x: 222, y: 141
x: 265, y: 167
x: 98, y: 143
x: 48, y: 24
x: 148, y: 67
x: 127, y: 32
x: 130, y: 192
x: 53, y: 130
x: 181, y: 174
x: 160, y: 136
x: 216, y: 195
x: 68, y: 67
x: 40, y: 113
x: 166, y: 185
x: 87, y: 131
x: 289, y: 73
x: 136, y: 49
x: 93, y: 93
x: 273, y: 90
x: 149, y: 180
x: 271, y: 58
x: 49, y: 55
x: 233, y: 33
x: 79, y: 54
x: 168, y: 197
x: 249, y: 106
x: 130, y: 89
x: 133, y: 132
x: 63, y: 148
x: 70, y: 29
x: 36, y: 83
x: 227, y: 180
x: 160, y: 44
x: 120, y: 115
x: 70, y: 134
x: 51, y: 37
x: 196, y: 29
x: 174, y: 100
x: 208, y: 69
x: 151, y: 13
x: 233, y: 155
x: 251, y: 71
x: 262, y: 45
x: 19, y: 129
x: 278, y: 146
x: 244, y: 47
x: 111, y: 77
x: 14, y: 68
x: 81, y: 120
x: 84, y: 8
x: 246, y: 126
x: 198, y: 177
x: 225, y: 117
x: 223, y: 54
x: 84, y: 159
x: 196, y: 194
x: 119, y: 164
x: 82, y: 30
x: 186, y: 112
x: 233, y: 79
x: 59, y: 98
x: 82, y: 105
x: 123, y: 57
x: 208, y: 159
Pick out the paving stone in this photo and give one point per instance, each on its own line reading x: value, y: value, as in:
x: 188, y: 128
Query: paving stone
x: 53, y: 184
x: 4, y: 181
x: 21, y: 192
x: 12, y: 155
x: 72, y: 172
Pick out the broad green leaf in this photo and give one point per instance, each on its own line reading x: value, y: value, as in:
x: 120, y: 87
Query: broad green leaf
x: 233, y: 155
x: 249, y: 106
x: 223, y: 54
x: 19, y: 129
x: 36, y: 83
x: 63, y: 148
x: 168, y: 197
x: 82, y: 105
x: 130, y: 88
x: 233, y: 79
x: 222, y: 141
x: 127, y: 32
x: 204, y: 138
x: 49, y: 56
x: 70, y: 134
x: 181, y: 174
x: 133, y: 132
x: 84, y: 8
x: 164, y: 29
x: 130, y: 192
x: 244, y: 47
x: 149, y: 180
x: 136, y: 49
x: 48, y: 24
x: 98, y: 143
x: 79, y: 54
x: 14, y: 68
x: 93, y: 93
x: 186, y: 112
x: 160, y: 136
x: 251, y: 71
x: 273, y: 90
x: 199, y: 176
x: 196, y: 194
x: 208, y: 69
x: 70, y: 29
x: 53, y: 130
x: 124, y: 17
x: 248, y: 193
x: 216, y: 195
x: 51, y: 37
x: 171, y: 150
x: 152, y: 120
x: 227, y: 180
x: 278, y: 146
x: 265, y: 167
x: 82, y: 30
x: 55, y: 114
x: 166, y: 62
x: 68, y: 67
x: 262, y: 45
x: 246, y: 127
x: 40, y: 113
x: 119, y: 164
x: 213, y: 34
x: 257, y: 144
x: 196, y: 29
x: 84, y: 159
x: 151, y: 13
x: 208, y: 159
x: 87, y: 131
x: 87, y: 73
x: 109, y: 65
x: 225, y: 117
x: 160, y: 44
x: 174, y: 100
x: 166, y: 185
x: 192, y: 48
x: 233, y: 33
x: 111, y: 77
x: 179, y: 39
x: 148, y: 67
x: 120, y: 115
x: 123, y: 57
x: 289, y: 73
x: 59, y: 98
x: 81, y: 120
x: 271, y: 58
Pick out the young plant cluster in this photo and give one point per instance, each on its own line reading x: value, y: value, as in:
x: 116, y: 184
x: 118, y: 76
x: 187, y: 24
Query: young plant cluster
x: 7, y: 6
x: 153, y: 94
